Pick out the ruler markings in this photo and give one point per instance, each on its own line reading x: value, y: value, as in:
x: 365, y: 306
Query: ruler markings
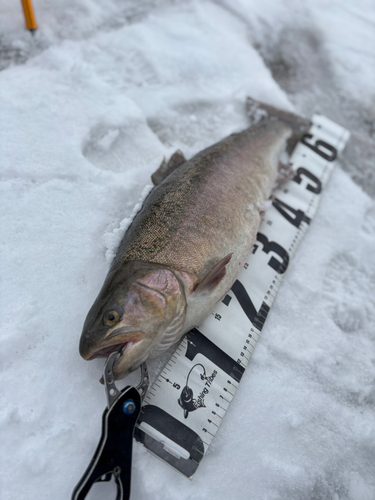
x: 222, y: 397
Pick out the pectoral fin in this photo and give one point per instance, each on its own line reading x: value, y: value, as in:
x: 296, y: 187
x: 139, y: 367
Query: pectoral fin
x: 165, y: 168
x: 213, y: 278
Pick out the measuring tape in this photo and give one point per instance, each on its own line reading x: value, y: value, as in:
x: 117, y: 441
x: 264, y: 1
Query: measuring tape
x: 184, y: 408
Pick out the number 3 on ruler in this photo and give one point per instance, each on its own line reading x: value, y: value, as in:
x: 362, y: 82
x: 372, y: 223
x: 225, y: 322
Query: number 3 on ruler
x: 272, y: 246
x: 258, y: 318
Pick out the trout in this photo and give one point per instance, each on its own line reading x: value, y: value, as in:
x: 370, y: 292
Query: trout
x: 184, y: 248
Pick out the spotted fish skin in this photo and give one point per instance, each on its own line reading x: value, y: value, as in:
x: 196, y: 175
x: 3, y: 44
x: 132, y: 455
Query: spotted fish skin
x: 199, y: 223
x: 200, y: 212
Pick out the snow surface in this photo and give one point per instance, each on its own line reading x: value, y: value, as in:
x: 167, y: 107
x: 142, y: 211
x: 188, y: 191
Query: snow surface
x: 89, y: 106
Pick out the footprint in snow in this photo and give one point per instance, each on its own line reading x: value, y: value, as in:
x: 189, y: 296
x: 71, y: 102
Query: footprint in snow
x: 122, y: 148
x: 101, y: 148
x: 347, y: 289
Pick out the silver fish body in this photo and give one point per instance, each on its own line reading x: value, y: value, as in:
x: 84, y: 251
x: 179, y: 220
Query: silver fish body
x: 184, y: 248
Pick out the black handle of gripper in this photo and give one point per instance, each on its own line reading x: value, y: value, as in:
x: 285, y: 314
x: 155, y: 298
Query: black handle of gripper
x: 113, y: 455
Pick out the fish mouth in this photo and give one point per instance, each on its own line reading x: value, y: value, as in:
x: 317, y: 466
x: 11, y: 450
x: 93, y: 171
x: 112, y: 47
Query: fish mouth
x: 132, y: 348
x: 121, y: 341
x: 104, y: 352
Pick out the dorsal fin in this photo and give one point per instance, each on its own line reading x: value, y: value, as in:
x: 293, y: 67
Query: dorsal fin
x: 213, y: 278
x: 165, y: 168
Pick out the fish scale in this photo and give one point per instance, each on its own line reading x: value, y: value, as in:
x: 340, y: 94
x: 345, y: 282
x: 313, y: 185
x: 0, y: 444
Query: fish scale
x: 184, y: 408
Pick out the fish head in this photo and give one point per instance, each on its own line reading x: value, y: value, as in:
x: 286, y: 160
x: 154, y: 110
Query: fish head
x: 137, y: 303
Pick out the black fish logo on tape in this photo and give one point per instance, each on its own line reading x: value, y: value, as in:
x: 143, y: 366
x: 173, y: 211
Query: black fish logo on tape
x: 186, y: 400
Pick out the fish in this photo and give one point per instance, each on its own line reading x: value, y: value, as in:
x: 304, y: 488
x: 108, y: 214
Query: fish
x: 184, y: 248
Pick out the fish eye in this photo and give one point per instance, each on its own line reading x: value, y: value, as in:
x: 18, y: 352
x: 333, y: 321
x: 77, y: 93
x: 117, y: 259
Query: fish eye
x: 110, y: 318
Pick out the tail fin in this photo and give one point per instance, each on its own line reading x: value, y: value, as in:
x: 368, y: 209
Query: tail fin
x: 257, y: 111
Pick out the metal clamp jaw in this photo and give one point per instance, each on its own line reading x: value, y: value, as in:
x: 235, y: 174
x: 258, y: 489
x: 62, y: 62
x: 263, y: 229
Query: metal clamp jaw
x: 113, y: 454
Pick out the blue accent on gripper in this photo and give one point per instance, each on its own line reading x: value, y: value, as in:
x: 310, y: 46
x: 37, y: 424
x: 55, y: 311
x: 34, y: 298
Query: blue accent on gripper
x: 129, y: 407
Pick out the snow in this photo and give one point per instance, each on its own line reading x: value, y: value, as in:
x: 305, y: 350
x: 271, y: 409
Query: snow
x: 89, y: 106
